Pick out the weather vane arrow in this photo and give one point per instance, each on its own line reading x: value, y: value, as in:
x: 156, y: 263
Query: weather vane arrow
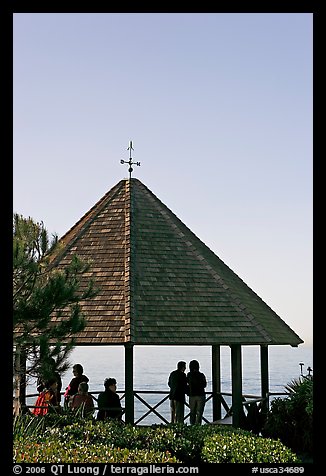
x: 130, y: 162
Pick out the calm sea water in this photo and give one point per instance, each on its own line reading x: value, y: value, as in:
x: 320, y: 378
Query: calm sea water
x: 153, y: 364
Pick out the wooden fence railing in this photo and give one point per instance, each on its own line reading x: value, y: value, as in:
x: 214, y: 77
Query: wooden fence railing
x: 249, y: 402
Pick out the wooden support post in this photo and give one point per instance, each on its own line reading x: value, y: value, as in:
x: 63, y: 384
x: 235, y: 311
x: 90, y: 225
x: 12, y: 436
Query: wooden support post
x: 264, y: 377
x: 216, y: 377
x: 129, y: 383
x: 237, y: 409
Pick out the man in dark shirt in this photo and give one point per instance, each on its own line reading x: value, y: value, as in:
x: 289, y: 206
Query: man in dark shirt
x: 109, y: 405
x: 178, y: 390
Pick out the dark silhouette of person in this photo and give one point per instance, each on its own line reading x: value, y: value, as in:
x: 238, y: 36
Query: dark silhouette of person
x: 178, y: 390
x: 49, y: 372
x: 109, y: 405
x: 197, y: 383
x: 79, y: 377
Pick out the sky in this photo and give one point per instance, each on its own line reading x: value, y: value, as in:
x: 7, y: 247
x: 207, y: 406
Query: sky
x: 219, y: 109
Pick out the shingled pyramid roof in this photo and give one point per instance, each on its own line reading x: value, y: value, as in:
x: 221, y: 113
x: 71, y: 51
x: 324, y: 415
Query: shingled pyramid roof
x: 158, y: 283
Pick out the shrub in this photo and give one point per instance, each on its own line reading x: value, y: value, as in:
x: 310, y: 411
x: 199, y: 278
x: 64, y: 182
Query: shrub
x: 291, y: 419
x: 41, y: 440
x: 241, y: 448
x: 54, y: 451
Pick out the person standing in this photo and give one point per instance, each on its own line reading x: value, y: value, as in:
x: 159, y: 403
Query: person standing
x: 197, y: 383
x: 109, y: 405
x: 178, y: 390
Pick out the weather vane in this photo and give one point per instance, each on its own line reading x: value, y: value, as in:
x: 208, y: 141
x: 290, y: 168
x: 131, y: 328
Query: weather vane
x: 130, y: 162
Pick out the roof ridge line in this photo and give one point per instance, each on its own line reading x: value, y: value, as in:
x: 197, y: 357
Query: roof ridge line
x: 129, y: 326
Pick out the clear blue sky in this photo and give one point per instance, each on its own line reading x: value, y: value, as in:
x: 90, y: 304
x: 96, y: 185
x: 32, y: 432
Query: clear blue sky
x: 219, y: 108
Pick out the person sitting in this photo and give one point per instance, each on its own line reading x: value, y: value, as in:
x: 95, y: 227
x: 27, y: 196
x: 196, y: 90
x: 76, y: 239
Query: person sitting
x: 72, y: 388
x: 82, y: 400
x: 49, y: 371
x: 47, y: 399
x: 109, y: 405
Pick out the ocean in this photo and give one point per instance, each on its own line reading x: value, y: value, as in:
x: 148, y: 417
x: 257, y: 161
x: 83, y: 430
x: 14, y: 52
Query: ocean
x: 153, y: 364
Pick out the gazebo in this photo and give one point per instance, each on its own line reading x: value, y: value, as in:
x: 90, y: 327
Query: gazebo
x: 159, y: 284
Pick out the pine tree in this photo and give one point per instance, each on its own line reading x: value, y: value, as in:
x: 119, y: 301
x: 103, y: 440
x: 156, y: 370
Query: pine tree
x: 40, y: 295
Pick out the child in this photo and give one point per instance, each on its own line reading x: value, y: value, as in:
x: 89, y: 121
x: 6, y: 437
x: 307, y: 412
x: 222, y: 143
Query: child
x: 82, y: 399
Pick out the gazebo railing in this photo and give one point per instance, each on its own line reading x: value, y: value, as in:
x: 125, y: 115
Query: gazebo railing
x: 152, y: 409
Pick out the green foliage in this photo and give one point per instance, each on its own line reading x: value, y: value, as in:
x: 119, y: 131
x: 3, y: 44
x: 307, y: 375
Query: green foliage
x: 42, y: 292
x: 185, y: 441
x: 27, y: 425
x: 65, y: 438
x: 238, y: 448
x: 52, y: 451
x: 291, y: 419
